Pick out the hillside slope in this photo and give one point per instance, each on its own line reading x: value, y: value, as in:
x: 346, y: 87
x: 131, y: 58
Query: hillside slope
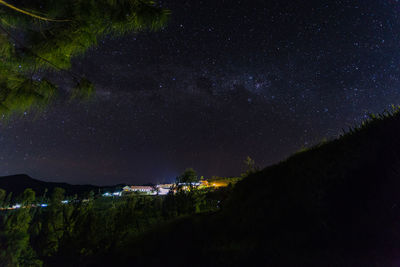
x: 337, y: 204
x: 19, y: 182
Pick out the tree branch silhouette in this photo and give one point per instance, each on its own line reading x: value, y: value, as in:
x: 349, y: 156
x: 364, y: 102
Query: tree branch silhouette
x: 29, y: 13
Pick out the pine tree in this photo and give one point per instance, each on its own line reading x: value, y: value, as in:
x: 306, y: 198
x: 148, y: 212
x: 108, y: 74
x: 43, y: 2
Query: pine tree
x: 68, y: 29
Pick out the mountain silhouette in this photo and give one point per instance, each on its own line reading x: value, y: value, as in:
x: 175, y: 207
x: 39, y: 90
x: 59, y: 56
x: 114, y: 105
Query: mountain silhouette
x: 19, y: 182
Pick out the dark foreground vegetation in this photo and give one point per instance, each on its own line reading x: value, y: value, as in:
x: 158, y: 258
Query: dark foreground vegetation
x: 73, y: 231
x: 336, y: 204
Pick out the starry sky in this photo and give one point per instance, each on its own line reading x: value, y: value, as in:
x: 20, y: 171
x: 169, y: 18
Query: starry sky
x: 224, y: 80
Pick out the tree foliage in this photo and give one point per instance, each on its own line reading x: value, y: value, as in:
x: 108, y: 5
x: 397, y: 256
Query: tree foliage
x: 41, y: 36
x: 14, y: 236
x: 189, y: 176
x: 83, y: 231
x: 250, y: 166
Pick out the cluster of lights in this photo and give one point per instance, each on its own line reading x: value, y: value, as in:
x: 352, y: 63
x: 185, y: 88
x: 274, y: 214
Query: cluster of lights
x: 42, y: 205
x: 115, y: 194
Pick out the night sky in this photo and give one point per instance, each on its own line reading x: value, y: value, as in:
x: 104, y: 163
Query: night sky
x: 224, y: 80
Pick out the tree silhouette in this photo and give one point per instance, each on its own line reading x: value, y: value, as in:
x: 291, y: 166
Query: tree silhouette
x: 31, y: 44
x: 14, y: 237
x: 250, y: 166
x: 4, y: 3
x: 189, y: 176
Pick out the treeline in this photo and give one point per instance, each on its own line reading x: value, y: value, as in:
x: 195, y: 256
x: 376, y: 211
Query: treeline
x: 85, y: 230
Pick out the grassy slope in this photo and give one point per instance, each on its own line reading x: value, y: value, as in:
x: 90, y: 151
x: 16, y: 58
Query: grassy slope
x: 337, y: 204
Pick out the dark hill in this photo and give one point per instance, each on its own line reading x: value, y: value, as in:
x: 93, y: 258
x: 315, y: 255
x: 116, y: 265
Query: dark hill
x: 337, y: 204
x: 18, y: 183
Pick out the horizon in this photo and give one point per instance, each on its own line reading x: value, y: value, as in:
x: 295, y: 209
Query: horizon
x: 217, y: 84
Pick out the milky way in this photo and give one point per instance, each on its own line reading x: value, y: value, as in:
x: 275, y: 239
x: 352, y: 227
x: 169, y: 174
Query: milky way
x: 224, y: 80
